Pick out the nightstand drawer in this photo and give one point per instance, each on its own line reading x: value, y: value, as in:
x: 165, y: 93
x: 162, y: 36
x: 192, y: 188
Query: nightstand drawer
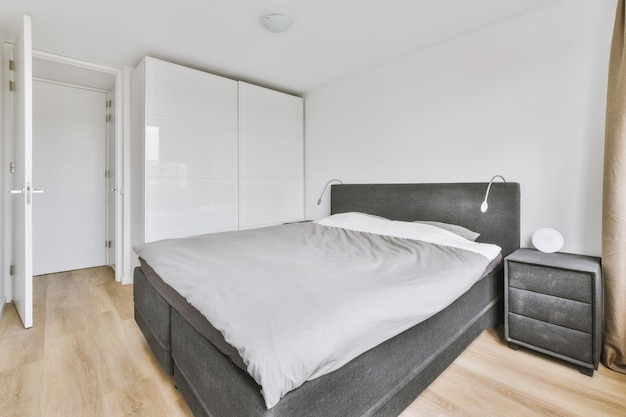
x: 560, y: 311
x: 567, y: 342
x: 573, y: 285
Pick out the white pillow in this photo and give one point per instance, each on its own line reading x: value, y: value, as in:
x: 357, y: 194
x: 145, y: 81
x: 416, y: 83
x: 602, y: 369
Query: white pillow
x: 454, y: 228
x: 367, y: 223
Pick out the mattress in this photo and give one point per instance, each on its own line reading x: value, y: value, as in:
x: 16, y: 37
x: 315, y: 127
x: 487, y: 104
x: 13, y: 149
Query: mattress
x: 349, y: 291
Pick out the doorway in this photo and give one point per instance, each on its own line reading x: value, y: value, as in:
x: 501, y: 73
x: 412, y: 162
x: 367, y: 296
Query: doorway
x: 80, y: 228
x: 69, y: 163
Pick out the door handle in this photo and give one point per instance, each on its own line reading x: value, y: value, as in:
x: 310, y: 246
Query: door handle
x: 28, y: 191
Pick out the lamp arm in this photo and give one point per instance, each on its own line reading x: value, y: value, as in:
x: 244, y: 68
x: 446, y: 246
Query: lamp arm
x: 484, y: 206
x: 319, y: 200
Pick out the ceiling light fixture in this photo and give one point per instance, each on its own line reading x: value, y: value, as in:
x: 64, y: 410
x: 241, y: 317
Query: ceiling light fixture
x: 276, y: 22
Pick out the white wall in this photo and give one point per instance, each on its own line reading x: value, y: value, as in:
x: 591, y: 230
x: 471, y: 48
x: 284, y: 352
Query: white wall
x: 524, y: 99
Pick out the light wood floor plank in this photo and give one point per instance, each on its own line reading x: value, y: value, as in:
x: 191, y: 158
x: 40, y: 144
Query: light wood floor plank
x: 21, y: 349
x: 71, y: 381
x: 20, y: 390
x: 582, y: 397
x: 122, y: 298
x: 489, y: 379
x: 85, y: 356
x: 146, y: 360
x: 142, y: 399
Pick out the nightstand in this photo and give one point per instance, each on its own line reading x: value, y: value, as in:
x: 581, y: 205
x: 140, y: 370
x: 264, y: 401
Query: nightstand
x: 553, y: 304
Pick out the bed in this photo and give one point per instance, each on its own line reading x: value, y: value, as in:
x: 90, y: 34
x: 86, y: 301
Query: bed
x: 383, y: 380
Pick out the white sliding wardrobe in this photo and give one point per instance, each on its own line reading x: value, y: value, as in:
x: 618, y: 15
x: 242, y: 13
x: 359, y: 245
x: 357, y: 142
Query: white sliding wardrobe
x: 211, y: 154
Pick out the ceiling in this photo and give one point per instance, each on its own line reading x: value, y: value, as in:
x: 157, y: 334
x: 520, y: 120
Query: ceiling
x: 329, y: 39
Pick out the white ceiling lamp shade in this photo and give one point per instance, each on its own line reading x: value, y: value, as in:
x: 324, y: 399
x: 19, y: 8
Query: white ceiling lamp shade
x: 276, y: 22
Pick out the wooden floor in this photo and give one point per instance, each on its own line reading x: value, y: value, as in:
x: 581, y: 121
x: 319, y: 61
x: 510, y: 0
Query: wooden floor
x: 86, y: 357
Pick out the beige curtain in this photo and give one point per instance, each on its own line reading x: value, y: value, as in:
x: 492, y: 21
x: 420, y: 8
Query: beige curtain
x: 614, y: 203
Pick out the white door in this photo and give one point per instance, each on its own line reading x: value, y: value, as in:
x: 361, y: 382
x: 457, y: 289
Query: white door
x: 22, y: 178
x: 69, y: 155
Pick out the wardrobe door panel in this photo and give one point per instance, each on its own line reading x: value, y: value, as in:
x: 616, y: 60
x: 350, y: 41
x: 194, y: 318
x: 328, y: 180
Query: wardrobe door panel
x: 269, y: 202
x: 181, y: 93
x: 266, y: 110
x: 271, y: 159
x: 190, y: 152
x: 187, y: 206
x: 176, y: 148
x: 286, y: 156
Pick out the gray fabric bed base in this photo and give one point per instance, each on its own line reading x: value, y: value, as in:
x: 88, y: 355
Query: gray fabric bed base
x: 381, y: 382
x: 152, y: 315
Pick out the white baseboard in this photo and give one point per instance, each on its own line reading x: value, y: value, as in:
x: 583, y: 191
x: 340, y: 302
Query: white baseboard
x: 127, y: 280
x: 3, y: 307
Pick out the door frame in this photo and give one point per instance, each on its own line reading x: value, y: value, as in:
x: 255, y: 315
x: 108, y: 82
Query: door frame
x: 121, y: 137
x: 115, y: 124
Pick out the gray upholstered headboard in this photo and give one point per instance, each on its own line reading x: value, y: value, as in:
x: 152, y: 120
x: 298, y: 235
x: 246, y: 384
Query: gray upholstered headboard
x: 457, y: 203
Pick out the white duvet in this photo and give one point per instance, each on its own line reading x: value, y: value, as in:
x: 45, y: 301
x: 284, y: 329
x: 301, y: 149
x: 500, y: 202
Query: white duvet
x: 298, y: 301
